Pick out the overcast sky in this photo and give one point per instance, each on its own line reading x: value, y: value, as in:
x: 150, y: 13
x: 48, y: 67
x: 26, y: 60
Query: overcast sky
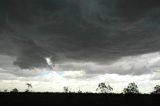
x: 79, y: 43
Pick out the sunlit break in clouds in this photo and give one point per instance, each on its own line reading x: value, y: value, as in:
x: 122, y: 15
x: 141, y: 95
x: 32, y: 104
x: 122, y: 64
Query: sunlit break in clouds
x: 79, y: 44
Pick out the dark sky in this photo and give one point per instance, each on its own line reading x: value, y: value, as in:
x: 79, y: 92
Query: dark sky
x: 99, y: 31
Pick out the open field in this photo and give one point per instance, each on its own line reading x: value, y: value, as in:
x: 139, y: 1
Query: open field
x: 86, y: 99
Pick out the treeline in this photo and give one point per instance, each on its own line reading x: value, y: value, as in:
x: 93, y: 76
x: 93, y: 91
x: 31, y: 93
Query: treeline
x: 132, y: 88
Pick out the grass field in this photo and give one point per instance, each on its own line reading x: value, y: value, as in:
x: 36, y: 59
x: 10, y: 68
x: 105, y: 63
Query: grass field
x: 77, y: 99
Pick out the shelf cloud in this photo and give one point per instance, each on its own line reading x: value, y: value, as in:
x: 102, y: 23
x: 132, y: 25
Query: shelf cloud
x: 97, y: 31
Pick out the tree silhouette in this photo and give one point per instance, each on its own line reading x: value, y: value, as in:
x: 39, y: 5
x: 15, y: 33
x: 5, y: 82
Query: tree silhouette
x: 14, y: 90
x: 79, y: 91
x: 66, y: 89
x: 28, y: 87
x: 103, y: 88
x: 5, y: 90
x: 156, y: 90
x: 132, y: 88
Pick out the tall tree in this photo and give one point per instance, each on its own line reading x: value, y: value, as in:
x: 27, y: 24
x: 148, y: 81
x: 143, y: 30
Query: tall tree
x: 28, y: 87
x: 132, y: 88
x: 102, y: 88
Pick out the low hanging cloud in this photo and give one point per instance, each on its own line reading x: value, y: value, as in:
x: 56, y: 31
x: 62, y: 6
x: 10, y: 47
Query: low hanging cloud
x: 131, y: 65
x: 98, y: 31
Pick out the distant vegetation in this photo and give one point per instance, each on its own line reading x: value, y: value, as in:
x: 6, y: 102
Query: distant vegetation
x: 5, y: 90
x: 14, y: 90
x: 132, y: 88
x: 66, y: 89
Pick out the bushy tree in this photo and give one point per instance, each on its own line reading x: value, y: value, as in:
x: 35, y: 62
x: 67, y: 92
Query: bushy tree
x: 156, y: 90
x: 14, y: 90
x: 132, y: 88
x: 102, y: 88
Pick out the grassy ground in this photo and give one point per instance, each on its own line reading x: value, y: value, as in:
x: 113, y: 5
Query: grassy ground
x: 79, y: 99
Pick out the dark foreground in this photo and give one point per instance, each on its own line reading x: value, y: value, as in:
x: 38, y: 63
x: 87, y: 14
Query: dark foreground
x: 73, y: 99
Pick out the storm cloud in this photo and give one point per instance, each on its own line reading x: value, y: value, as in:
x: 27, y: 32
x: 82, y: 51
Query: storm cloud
x: 98, y: 31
